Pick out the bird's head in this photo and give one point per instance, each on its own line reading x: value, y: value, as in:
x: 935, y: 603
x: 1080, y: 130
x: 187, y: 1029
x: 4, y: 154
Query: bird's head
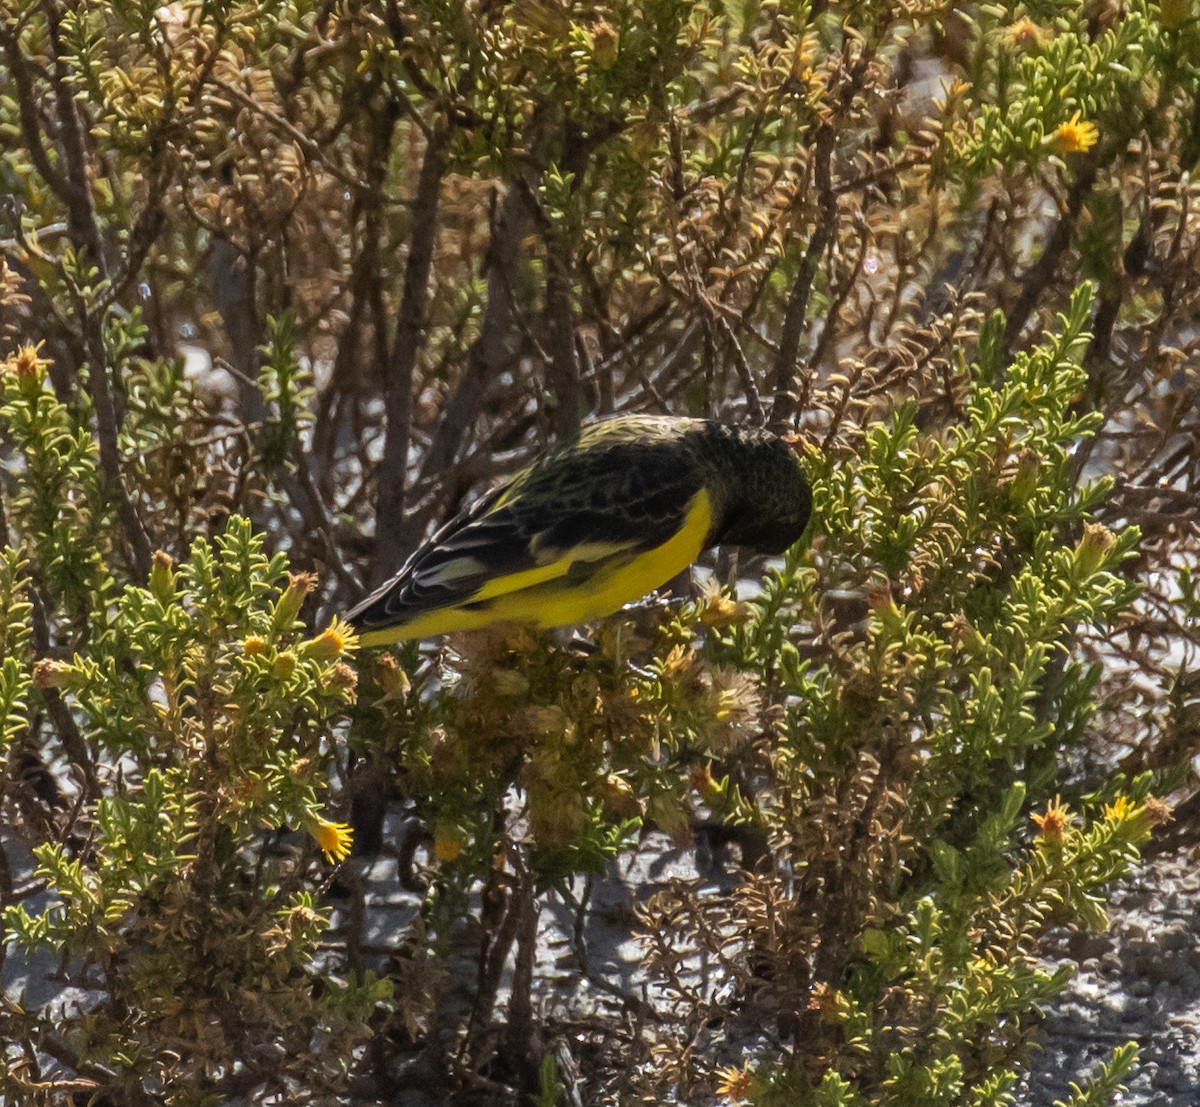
x: 770, y: 501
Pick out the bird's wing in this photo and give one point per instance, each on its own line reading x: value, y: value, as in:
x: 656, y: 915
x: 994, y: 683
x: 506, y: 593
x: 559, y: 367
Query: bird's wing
x: 567, y: 522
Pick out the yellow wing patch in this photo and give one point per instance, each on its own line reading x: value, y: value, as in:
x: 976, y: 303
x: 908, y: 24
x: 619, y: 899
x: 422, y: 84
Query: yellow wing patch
x: 558, y: 567
x: 547, y: 596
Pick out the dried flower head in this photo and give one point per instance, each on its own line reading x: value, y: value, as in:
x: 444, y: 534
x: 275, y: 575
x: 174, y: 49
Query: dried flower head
x: 539, y: 720
x: 619, y: 797
x: 48, y: 673
x: 343, y: 680
x: 1027, y: 35
x: 1053, y: 825
x: 1094, y: 547
x: 735, y: 703
x: 1156, y: 811
x: 719, y: 609
x: 391, y: 678
x: 287, y: 608
x: 606, y: 44
x: 510, y: 683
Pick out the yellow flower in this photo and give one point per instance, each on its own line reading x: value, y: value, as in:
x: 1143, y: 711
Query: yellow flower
x: 1076, y: 136
x: 718, y: 609
x: 253, y: 645
x: 1119, y: 810
x: 1134, y: 821
x: 335, y: 839
x: 330, y: 643
x: 735, y: 1084
x: 677, y: 663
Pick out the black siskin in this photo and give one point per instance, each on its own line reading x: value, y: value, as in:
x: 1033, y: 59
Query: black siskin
x: 594, y: 524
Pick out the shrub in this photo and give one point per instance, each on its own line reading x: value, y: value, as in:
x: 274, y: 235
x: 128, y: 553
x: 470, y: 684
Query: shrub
x: 281, y: 284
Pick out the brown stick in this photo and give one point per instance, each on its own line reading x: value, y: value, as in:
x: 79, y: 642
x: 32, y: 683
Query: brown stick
x: 60, y: 714
x: 491, y: 348
x: 85, y: 234
x: 784, y: 404
x: 392, y: 493
x: 1041, y: 273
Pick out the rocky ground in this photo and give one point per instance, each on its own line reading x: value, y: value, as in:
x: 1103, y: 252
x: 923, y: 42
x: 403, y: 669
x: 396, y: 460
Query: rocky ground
x: 1138, y: 981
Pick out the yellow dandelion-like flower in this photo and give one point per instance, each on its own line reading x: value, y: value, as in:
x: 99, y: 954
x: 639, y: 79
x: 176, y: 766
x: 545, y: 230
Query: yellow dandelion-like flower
x: 1119, y: 810
x: 1136, y: 821
x: 254, y: 646
x: 335, y: 839
x: 734, y: 1084
x: 332, y: 642
x: 677, y: 663
x: 1076, y: 136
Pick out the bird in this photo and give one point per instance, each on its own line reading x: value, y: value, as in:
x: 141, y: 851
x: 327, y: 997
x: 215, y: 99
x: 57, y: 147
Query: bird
x: 593, y: 524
